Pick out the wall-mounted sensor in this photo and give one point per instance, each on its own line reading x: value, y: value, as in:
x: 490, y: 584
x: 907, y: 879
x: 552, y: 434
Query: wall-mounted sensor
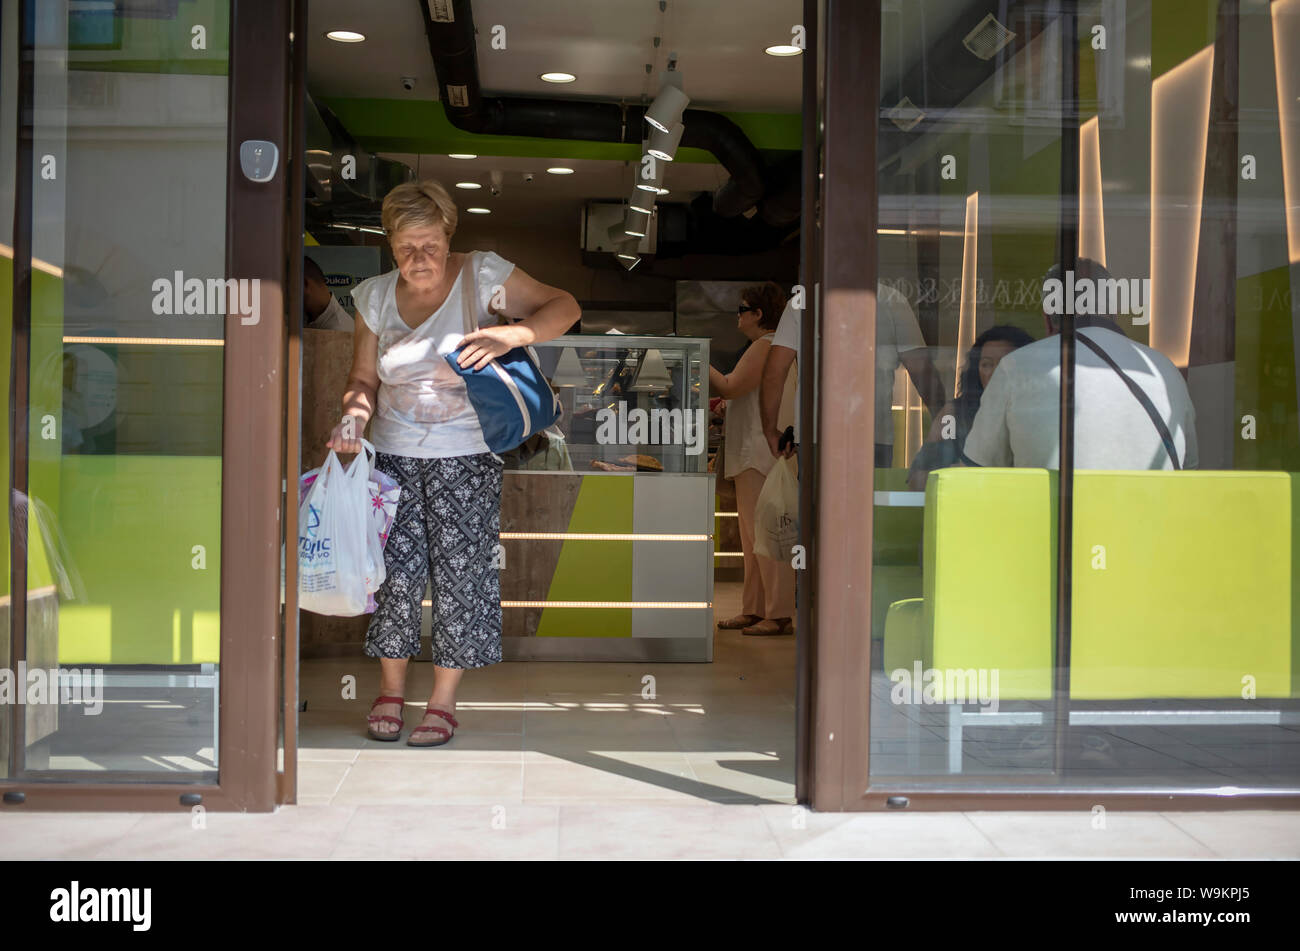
x: 408, y: 83
x: 258, y: 159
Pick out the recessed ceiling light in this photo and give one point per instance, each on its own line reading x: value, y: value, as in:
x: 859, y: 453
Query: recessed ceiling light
x: 630, y: 229
x: 461, y: 155
x: 560, y: 170
x: 468, y: 185
x: 783, y: 50
x: 345, y: 36
x: 479, y: 211
x: 644, y: 211
x: 661, y: 191
x: 557, y: 77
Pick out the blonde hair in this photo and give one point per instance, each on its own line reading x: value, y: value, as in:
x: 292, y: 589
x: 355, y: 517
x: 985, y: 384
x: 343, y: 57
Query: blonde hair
x: 423, y: 204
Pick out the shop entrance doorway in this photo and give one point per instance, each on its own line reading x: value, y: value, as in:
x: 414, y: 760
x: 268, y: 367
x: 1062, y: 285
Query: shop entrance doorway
x: 620, y: 548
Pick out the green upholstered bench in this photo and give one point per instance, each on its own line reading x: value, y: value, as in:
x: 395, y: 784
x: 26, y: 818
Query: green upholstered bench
x: 1185, y: 588
x: 895, y: 547
x: 131, y: 525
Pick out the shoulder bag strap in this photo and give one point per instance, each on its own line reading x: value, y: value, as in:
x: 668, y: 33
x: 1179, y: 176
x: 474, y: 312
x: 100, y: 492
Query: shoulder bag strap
x: 469, y: 293
x: 1139, y: 394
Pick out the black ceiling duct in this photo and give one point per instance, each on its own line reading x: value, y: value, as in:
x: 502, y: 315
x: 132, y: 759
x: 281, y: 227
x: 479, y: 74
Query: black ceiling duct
x: 453, y: 48
x: 952, y: 66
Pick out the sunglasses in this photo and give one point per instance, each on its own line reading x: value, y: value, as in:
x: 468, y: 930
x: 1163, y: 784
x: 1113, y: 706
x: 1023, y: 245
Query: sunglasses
x: 743, y: 308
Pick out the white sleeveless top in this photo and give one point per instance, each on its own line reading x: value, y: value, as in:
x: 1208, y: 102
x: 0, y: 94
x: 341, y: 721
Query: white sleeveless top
x: 423, y: 409
x: 746, y: 446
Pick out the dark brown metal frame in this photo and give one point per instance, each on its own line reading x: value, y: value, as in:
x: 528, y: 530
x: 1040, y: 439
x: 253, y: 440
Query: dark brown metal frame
x: 805, y: 628
x: 251, y: 460
x: 841, y: 649
x: 19, y: 373
x: 287, y: 779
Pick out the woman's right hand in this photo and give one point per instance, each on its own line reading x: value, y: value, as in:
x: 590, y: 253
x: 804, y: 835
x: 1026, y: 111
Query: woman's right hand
x: 346, y: 436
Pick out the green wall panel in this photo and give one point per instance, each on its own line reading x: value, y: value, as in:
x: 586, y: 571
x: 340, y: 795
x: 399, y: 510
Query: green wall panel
x: 594, y: 570
x: 400, y: 125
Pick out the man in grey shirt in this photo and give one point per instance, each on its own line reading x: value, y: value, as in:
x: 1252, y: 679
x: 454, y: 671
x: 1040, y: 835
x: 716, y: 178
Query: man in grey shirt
x: 1018, y: 423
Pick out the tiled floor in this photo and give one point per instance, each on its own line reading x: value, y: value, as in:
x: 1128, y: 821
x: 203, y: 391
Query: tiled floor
x: 594, y: 761
x: 552, y: 734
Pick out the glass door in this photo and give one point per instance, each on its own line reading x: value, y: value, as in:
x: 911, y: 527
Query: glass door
x: 141, y: 293
x: 1087, y: 434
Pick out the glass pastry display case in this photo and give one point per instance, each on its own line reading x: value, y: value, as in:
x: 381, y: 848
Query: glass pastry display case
x: 631, y: 404
x: 607, y: 517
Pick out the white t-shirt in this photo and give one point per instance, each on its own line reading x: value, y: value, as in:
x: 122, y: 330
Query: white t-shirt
x: 788, y: 333
x: 897, y: 332
x: 423, y: 410
x: 333, y: 317
x: 746, y: 445
x: 1018, y: 423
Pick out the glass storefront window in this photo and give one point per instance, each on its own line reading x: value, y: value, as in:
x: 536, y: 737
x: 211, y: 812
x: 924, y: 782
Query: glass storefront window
x: 1093, y: 206
x: 122, y: 493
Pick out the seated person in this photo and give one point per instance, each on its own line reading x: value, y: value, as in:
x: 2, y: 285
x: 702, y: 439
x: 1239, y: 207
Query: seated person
x: 321, y: 309
x: 948, y: 431
x: 1132, y: 409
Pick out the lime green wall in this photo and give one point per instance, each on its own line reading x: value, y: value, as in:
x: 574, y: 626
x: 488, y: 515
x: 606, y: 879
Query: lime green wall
x: 1266, y: 373
x: 593, y: 570
x: 131, y: 523
x: 1179, y: 29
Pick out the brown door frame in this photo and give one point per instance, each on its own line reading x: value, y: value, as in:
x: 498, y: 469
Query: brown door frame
x: 841, y: 648
x: 253, y: 434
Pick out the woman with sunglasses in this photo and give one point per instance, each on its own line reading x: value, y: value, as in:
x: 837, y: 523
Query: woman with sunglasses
x: 768, y: 601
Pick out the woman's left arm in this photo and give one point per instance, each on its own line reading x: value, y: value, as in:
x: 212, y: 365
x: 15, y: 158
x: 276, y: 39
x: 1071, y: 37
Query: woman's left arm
x: 542, y: 313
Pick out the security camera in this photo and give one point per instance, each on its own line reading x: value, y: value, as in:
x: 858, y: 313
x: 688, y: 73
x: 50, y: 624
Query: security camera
x: 408, y: 83
x: 528, y: 176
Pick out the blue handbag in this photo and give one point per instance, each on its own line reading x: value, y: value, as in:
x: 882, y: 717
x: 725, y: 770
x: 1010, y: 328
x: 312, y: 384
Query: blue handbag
x: 512, y: 398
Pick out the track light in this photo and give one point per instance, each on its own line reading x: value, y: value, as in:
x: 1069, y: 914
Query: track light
x: 641, y: 201
x: 663, y: 145
x: 666, y: 111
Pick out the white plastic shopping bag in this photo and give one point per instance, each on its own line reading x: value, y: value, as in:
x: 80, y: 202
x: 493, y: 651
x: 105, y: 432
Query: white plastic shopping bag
x: 776, y: 513
x: 383, y: 492
x: 335, y: 557
x: 381, y: 508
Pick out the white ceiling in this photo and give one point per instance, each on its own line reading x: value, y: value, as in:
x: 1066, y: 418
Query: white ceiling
x: 605, y: 43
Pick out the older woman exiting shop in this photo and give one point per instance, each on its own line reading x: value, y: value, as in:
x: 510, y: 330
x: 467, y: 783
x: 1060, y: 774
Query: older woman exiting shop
x: 428, y: 438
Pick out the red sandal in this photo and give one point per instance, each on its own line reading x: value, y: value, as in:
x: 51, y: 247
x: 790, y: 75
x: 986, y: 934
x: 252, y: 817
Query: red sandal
x: 375, y: 718
x: 435, y: 730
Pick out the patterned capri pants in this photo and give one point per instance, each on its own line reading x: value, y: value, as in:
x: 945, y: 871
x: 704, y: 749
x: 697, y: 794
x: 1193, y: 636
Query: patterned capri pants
x: 445, y: 533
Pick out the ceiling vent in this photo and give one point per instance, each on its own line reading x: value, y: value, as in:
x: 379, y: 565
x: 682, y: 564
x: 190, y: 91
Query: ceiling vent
x: 987, y: 38
x: 905, y: 115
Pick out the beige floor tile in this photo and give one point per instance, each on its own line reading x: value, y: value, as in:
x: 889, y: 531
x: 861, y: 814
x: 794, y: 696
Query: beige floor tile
x: 320, y: 779
x: 604, y: 779
x: 657, y: 832
x: 430, y: 782
x: 812, y: 835
x: 1243, y: 835
x: 749, y: 780
x: 1078, y: 833
x: 502, y: 831
x: 294, y: 832
x: 61, y: 835
x: 465, y: 747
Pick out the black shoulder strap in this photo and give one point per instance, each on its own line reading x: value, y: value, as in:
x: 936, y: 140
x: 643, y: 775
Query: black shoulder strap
x: 1139, y: 394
